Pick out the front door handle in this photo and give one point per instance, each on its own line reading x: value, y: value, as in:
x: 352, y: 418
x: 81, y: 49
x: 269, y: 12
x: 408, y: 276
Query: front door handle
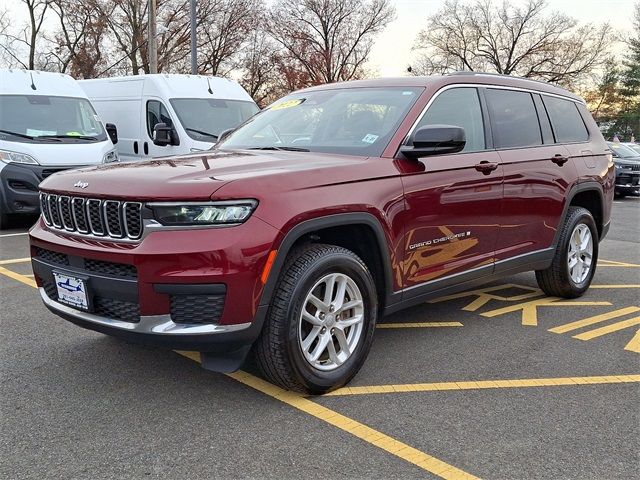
x: 486, y: 167
x: 559, y: 159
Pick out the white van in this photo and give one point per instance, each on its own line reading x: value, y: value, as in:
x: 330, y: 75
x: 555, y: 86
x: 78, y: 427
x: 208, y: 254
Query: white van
x: 188, y: 111
x: 46, y: 125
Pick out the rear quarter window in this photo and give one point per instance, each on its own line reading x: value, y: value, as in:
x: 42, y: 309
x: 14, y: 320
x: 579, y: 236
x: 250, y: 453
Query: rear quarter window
x: 566, y: 120
x: 514, y: 120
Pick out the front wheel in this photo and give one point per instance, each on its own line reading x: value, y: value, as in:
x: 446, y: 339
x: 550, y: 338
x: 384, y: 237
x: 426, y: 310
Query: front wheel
x: 574, y: 262
x: 320, y: 325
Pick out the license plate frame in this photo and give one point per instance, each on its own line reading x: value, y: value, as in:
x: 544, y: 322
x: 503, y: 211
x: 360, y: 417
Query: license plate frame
x: 73, y: 290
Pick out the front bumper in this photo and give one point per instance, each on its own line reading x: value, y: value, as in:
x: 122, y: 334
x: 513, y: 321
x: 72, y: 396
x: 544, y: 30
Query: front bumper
x: 628, y: 182
x: 19, y: 186
x: 180, y: 289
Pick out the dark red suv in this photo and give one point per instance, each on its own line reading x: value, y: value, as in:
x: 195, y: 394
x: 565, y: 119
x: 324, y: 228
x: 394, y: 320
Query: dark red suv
x: 336, y: 205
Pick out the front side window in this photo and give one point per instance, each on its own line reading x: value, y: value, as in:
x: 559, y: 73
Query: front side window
x: 349, y: 121
x: 204, y: 119
x: 45, y: 118
x: 459, y: 107
x: 156, y: 113
x: 566, y: 120
x: 514, y: 120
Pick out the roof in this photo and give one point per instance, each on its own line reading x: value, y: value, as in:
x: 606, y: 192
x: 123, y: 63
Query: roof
x: 437, y: 81
x: 19, y: 82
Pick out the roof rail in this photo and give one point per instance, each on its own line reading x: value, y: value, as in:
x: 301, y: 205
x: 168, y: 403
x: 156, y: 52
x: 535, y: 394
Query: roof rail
x: 491, y: 74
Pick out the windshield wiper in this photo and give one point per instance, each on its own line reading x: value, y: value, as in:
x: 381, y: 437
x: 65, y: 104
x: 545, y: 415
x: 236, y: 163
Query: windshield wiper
x: 288, y: 149
x: 21, y: 135
x: 189, y: 129
x: 79, y: 137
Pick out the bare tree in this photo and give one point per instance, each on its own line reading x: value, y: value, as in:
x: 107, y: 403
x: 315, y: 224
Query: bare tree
x: 510, y: 40
x: 27, y: 38
x: 259, y: 66
x: 329, y: 40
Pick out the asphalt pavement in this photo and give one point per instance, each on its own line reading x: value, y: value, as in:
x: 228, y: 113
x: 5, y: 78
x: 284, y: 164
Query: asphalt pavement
x: 500, y: 382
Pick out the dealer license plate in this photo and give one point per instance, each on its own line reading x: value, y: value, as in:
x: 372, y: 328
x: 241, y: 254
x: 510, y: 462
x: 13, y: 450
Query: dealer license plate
x: 71, y: 290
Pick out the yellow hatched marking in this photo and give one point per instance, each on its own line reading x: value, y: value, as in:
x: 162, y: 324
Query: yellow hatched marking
x: 591, y: 320
x: 483, y: 384
x: 19, y: 277
x: 634, y: 344
x: 612, y: 263
x: 420, y: 325
x: 15, y: 260
x: 598, y: 332
x: 346, y: 424
x: 485, y: 295
x: 530, y: 311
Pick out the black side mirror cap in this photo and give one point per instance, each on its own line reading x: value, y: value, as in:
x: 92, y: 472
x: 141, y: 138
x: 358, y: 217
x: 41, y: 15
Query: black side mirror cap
x: 112, y: 131
x: 434, y: 140
x: 164, y: 135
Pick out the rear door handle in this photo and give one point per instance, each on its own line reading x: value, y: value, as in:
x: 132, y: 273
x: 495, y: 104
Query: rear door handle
x: 486, y: 167
x: 559, y: 159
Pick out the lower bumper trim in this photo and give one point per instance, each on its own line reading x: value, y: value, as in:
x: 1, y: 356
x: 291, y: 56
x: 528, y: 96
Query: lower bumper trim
x: 149, y: 324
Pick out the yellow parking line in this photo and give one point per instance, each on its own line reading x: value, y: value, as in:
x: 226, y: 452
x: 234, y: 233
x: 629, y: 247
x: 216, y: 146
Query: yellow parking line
x: 19, y: 277
x: 614, y: 286
x: 346, y: 424
x: 420, y: 325
x: 483, y: 384
x: 598, y: 332
x: 634, y: 344
x: 15, y: 260
x: 612, y: 263
x: 591, y: 320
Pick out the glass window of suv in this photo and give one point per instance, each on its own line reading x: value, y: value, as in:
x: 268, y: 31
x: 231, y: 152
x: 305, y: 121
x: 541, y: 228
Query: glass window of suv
x: 566, y: 120
x: 459, y: 107
x: 514, y: 119
x: 348, y: 121
x: 156, y: 113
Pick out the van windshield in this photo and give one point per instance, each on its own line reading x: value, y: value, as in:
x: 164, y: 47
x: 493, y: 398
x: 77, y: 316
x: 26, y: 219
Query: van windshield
x: 205, y: 118
x: 44, y: 118
x: 348, y: 121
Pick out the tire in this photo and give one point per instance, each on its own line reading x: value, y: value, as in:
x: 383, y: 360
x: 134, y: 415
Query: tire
x: 280, y: 351
x: 561, y: 280
x: 4, y: 219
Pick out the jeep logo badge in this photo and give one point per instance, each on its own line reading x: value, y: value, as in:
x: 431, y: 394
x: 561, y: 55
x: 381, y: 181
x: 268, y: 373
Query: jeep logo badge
x: 81, y: 184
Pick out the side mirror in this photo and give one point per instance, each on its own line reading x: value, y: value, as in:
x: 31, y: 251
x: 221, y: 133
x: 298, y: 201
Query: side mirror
x: 164, y: 135
x: 434, y: 140
x: 112, y: 131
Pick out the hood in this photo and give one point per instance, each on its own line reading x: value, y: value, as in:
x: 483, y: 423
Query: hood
x: 199, y: 176
x: 61, y: 154
x: 627, y: 161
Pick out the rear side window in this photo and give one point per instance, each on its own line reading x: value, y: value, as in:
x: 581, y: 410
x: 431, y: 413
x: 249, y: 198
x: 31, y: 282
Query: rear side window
x: 513, y: 118
x: 566, y: 120
x: 459, y: 107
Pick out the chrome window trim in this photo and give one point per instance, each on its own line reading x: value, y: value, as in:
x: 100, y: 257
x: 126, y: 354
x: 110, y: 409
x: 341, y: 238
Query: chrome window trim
x: 478, y: 85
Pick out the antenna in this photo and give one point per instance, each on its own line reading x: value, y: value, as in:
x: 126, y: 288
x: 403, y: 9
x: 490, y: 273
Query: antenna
x: 33, y: 85
x: 209, y: 85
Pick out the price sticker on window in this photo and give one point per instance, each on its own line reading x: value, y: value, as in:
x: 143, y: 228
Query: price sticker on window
x: 288, y: 104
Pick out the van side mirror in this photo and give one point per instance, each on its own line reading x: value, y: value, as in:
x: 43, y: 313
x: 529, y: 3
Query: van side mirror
x: 164, y: 135
x: 434, y: 140
x: 112, y: 131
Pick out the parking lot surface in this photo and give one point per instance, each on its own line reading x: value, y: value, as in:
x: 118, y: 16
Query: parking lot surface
x: 500, y: 382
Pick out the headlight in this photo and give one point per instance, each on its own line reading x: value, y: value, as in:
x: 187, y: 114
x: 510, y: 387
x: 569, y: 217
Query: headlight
x: 215, y: 213
x: 14, y: 157
x: 110, y: 157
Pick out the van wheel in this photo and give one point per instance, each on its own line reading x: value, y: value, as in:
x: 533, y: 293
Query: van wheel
x: 574, y: 263
x: 319, y: 328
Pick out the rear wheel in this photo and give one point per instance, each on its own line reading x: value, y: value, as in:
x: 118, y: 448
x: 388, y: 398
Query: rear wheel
x: 574, y: 263
x: 319, y: 328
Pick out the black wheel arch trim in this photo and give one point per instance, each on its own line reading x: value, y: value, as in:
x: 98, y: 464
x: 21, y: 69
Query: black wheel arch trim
x: 319, y: 223
x: 579, y: 188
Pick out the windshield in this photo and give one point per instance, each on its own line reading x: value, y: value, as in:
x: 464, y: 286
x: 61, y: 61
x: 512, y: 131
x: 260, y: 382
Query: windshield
x: 350, y: 121
x: 633, y: 146
x: 622, y: 151
x: 44, y: 118
x: 205, y: 118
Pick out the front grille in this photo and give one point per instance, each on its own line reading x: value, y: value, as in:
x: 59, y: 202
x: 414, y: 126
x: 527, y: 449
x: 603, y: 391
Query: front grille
x: 635, y: 168
x: 109, y: 268
x: 52, y: 257
x: 116, y: 309
x: 102, y: 218
x: 197, y: 309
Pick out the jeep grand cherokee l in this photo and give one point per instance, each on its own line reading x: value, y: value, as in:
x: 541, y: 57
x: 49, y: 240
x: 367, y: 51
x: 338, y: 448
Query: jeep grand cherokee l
x: 331, y: 208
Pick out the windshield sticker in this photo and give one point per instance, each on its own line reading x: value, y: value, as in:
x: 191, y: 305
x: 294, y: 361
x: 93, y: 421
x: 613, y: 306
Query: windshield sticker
x: 288, y: 104
x: 370, y: 138
x: 39, y: 133
x: 407, y: 93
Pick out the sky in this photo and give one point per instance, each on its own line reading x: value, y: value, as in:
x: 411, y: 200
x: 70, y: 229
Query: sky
x: 391, y: 54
